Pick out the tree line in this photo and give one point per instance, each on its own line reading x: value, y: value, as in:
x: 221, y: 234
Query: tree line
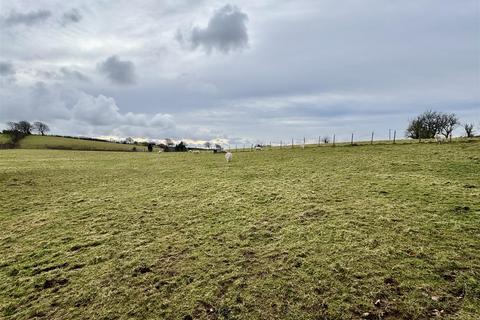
x: 431, y: 123
x: 18, y: 130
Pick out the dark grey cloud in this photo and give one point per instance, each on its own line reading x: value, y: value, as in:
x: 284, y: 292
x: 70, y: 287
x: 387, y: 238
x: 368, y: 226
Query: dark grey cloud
x: 28, y: 19
x: 226, y: 31
x: 6, y: 69
x: 118, y: 71
x: 71, y: 16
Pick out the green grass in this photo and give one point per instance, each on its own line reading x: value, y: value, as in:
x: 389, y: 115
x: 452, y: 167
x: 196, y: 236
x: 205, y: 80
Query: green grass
x: 4, y: 138
x: 376, y: 232
x: 50, y: 142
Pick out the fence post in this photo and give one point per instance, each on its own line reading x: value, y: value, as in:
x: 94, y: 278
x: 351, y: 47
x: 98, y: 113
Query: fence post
x: 371, y: 142
x: 351, y: 142
x: 303, y: 143
x: 389, y: 134
x: 280, y: 144
x: 394, y: 135
x: 319, y: 139
x: 334, y: 139
x: 292, y: 143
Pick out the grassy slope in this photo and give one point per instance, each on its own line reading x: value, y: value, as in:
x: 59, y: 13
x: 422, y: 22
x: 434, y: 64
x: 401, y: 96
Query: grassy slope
x: 4, y: 138
x: 281, y: 234
x: 49, y: 142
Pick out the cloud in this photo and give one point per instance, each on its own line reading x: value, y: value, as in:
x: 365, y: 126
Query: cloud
x: 75, y: 112
x: 71, y: 16
x: 118, y: 71
x: 73, y: 74
x: 28, y: 19
x: 226, y: 31
x: 6, y: 69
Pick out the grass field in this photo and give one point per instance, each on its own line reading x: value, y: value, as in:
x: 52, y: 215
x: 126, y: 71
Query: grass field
x: 4, y: 138
x: 374, y: 232
x: 51, y: 142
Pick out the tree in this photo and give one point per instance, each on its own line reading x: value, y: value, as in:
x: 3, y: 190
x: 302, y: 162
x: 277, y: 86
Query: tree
x: 12, y: 126
x: 207, y: 144
x: 181, y: 147
x: 430, y: 123
x: 16, y: 131
x: 41, y: 127
x: 447, y: 123
x: 468, y: 129
x: 24, y: 127
x: 129, y: 140
x: 169, y: 142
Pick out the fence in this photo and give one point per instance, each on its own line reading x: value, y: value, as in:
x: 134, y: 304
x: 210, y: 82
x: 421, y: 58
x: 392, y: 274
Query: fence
x: 327, y: 140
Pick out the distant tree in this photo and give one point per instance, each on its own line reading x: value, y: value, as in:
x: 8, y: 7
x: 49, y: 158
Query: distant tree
x: 163, y: 146
x: 129, y: 140
x: 16, y: 131
x: 218, y: 147
x: 425, y: 126
x: 181, y: 147
x: 207, y: 144
x: 169, y: 142
x: 447, y: 123
x: 41, y: 127
x: 12, y: 126
x: 25, y: 127
x: 468, y: 129
x: 150, y: 147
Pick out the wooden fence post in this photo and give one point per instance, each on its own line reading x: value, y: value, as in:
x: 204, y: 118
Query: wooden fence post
x: 334, y: 139
x: 351, y: 141
x: 394, y: 135
x: 371, y: 142
x: 292, y: 143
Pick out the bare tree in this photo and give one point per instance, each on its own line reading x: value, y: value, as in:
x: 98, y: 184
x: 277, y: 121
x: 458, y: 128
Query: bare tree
x: 23, y: 127
x: 430, y: 123
x: 468, y: 129
x: 207, y: 144
x: 447, y: 123
x: 16, y: 130
x: 12, y: 126
x: 41, y: 127
x: 425, y: 126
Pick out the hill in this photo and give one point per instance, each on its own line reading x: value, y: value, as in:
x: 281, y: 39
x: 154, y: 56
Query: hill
x: 61, y: 143
x: 4, y: 138
x: 372, y: 232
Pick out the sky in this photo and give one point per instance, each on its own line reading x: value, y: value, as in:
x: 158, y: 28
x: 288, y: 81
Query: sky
x: 237, y: 71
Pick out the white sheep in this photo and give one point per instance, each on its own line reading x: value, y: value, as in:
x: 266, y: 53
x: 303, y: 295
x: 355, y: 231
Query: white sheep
x: 440, y: 138
x: 228, y: 156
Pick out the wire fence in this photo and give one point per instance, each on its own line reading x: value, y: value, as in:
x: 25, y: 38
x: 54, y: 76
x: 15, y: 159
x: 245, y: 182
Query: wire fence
x: 332, y: 140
